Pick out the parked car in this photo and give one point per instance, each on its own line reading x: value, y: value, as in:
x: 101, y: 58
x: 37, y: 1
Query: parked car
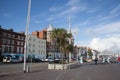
x: 45, y: 60
x: 33, y: 59
x: 36, y: 60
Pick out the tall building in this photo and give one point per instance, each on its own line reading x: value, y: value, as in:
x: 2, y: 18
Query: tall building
x: 52, y: 49
x: 37, y: 46
x: 11, y: 42
x: 49, y: 33
x: 41, y: 36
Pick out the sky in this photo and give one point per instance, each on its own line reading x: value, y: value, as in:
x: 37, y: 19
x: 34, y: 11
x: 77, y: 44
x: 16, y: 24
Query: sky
x: 94, y: 23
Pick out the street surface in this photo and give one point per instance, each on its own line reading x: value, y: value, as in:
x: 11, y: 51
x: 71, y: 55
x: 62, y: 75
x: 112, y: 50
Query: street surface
x: 85, y: 71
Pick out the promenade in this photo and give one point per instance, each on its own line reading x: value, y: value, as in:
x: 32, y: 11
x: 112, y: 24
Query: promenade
x: 85, y: 71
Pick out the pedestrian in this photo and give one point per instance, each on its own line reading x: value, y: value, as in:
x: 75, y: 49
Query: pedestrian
x: 96, y: 60
x: 105, y: 61
x: 108, y: 60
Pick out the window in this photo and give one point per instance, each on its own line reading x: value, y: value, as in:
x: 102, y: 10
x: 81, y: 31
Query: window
x: 4, y: 34
x: 17, y: 49
x: 29, y: 51
x: 22, y: 44
x: 21, y: 49
x: 13, y: 36
x: 18, y: 43
x: 3, y: 48
x: 18, y: 37
x: 33, y: 50
x: 30, y: 39
x: 29, y: 44
x: 12, y: 48
x: 7, y: 48
x: 12, y: 41
x: 33, y: 45
x: 8, y: 41
x: 23, y: 38
x: 3, y: 40
x: 9, y: 35
x: 34, y: 40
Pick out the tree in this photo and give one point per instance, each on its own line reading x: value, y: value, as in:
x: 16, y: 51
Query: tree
x: 90, y: 54
x: 61, y: 38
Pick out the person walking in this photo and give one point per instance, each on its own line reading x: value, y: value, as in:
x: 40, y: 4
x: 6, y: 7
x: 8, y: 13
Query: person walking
x: 96, y: 60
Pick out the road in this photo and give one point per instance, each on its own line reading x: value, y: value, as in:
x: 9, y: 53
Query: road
x: 82, y: 72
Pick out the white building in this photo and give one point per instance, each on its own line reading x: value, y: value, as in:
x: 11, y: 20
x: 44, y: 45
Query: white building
x: 52, y: 49
x: 95, y: 54
x: 82, y: 51
x: 49, y: 32
x: 36, y: 46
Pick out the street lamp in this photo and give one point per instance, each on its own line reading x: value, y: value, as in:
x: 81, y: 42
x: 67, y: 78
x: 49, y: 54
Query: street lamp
x: 69, y: 52
x: 25, y: 67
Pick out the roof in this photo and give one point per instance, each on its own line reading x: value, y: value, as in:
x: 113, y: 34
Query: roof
x: 50, y: 28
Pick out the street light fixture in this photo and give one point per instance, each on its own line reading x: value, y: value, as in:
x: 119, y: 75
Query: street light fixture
x: 25, y: 67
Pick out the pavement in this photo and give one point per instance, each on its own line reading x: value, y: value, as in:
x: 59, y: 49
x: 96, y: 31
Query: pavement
x: 85, y: 71
x: 10, y: 68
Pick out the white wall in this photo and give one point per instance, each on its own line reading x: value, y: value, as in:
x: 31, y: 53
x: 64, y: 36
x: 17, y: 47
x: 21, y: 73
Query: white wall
x: 36, y: 46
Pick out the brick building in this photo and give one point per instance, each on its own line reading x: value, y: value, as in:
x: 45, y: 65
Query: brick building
x: 11, y: 42
x: 41, y: 34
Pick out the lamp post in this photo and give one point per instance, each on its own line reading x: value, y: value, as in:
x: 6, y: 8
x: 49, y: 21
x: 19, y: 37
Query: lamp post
x: 25, y: 67
x: 69, y: 52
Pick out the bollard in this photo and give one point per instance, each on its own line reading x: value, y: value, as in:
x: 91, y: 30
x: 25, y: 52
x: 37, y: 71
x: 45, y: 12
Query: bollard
x: 28, y: 69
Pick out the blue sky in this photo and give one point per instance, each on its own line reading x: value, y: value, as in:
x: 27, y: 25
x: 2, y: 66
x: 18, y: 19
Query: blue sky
x: 94, y: 23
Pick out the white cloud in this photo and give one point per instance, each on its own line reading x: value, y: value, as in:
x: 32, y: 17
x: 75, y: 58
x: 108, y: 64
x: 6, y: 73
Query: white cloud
x: 108, y: 28
x: 100, y: 19
x: 73, y: 2
x: 116, y: 9
x: 106, y: 36
x: 70, y: 8
x: 111, y: 43
x: 104, y: 29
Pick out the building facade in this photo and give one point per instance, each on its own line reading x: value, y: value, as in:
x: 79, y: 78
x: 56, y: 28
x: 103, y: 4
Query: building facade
x: 36, y: 46
x: 41, y: 34
x: 52, y: 49
x: 11, y: 42
x: 81, y: 52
